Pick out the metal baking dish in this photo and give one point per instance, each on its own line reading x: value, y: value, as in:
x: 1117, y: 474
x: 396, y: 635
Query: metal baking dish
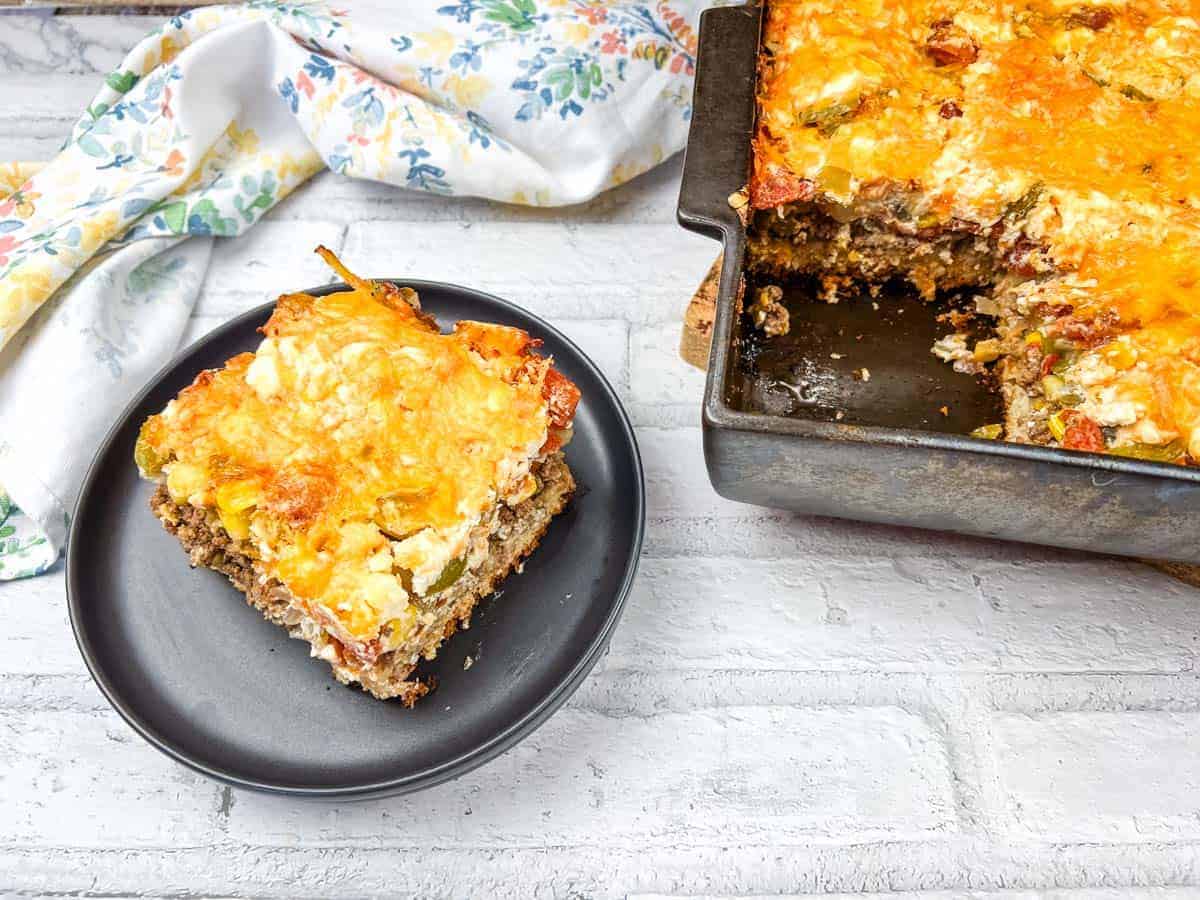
x: 895, y: 457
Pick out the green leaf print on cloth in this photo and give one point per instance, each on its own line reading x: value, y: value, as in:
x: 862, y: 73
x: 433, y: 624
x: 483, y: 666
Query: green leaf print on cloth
x: 24, y: 550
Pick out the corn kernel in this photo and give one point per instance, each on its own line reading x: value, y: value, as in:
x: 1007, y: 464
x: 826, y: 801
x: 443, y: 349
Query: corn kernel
x: 237, y: 496
x: 986, y: 351
x: 185, y: 480
x: 237, y: 524
x: 1057, y: 426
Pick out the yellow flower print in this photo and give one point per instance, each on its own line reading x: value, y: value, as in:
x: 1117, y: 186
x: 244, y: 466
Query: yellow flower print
x: 214, y: 154
x: 206, y: 21
x: 22, y: 292
x: 289, y: 169
x: 383, y: 141
x: 444, y: 125
x: 97, y: 230
x: 411, y: 85
x: 541, y: 197
x: 435, y: 45
x: 14, y: 175
x: 245, y: 140
x: 623, y: 172
x: 169, y: 49
x: 21, y: 204
x: 324, y: 104
x: 468, y: 90
x: 578, y: 33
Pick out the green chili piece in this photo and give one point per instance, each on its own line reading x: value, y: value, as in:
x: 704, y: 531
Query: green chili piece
x: 149, y: 461
x: 453, y: 571
x: 828, y: 119
x: 1169, y: 452
x: 1133, y: 93
x: 1023, y: 205
x: 990, y: 432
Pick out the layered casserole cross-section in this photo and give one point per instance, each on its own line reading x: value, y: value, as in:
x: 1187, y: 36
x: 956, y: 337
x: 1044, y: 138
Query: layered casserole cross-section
x: 1043, y: 152
x: 364, y: 478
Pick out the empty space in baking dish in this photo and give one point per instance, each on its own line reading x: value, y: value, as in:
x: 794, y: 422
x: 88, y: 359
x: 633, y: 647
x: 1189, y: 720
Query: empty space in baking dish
x: 863, y: 360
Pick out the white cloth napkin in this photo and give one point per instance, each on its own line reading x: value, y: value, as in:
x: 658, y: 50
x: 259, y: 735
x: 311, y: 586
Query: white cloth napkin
x: 214, y: 118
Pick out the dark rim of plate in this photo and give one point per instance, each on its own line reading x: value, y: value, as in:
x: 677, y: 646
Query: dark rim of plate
x: 441, y: 772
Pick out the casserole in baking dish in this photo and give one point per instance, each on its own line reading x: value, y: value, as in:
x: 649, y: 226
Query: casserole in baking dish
x: 1042, y: 152
x: 851, y: 180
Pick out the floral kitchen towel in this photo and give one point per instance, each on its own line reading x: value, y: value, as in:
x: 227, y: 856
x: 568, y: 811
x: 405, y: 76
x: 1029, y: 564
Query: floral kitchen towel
x: 214, y: 118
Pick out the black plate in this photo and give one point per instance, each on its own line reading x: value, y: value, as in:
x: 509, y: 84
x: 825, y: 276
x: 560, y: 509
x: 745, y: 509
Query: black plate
x: 207, y: 680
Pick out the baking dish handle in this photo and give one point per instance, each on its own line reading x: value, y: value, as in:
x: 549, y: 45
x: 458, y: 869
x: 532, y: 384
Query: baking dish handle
x: 717, y: 160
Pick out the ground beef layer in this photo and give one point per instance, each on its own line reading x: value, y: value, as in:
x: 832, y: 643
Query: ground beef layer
x: 804, y: 239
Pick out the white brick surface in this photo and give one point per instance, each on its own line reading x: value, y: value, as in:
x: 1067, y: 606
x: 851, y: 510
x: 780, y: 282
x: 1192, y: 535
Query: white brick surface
x: 659, y: 374
x: 817, y: 614
x: 51, y: 760
x: 744, y: 775
x: 245, y: 271
x: 1093, y: 893
x: 42, y: 644
x: 1132, y: 776
x: 236, y: 870
x: 605, y: 341
x: 861, y: 611
x: 791, y: 705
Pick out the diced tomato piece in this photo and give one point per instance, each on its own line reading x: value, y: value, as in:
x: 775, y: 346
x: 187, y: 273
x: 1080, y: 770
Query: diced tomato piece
x: 1088, y: 333
x: 555, y: 440
x: 1082, y: 433
x: 774, y: 187
x: 561, y: 397
x: 949, y: 44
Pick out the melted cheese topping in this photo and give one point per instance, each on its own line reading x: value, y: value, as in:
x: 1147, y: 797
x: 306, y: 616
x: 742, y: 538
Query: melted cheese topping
x: 1089, y: 115
x: 358, y: 448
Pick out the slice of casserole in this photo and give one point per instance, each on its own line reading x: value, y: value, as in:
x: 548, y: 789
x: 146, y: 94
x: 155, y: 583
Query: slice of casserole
x: 1043, y: 151
x: 363, y: 478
